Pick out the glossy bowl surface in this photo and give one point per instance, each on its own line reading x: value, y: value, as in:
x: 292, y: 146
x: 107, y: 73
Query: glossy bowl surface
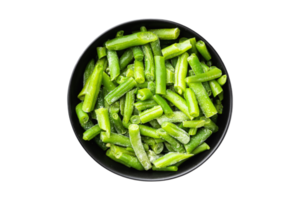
x: 97, y: 154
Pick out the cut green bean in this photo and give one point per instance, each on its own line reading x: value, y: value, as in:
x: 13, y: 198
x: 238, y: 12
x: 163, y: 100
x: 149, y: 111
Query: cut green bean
x: 117, y: 122
x: 119, y: 91
x: 148, y: 140
x: 151, y: 86
x: 126, y: 58
x: 171, y: 159
x: 115, y: 138
x: 176, y: 49
x: 107, y: 83
x: 111, y: 156
x: 169, y: 147
x: 204, y: 101
x: 103, y: 120
x: 176, y: 132
x: 164, y: 105
x: 99, y: 142
x: 88, y: 71
x: 135, y: 119
x: 155, y: 46
x: 165, y: 169
x: 157, y: 148
x: 122, y: 105
x: 152, y: 156
x: 194, y: 48
x: 178, y: 101
x: 151, y: 114
x: 191, y: 73
x: 135, y: 39
x: 183, y: 39
x: 221, y: 96
x: 170, y: 77
x: 144, y: 94
x: 166, y: 33
x: 193, y: 131
x: 197, y: 139
x: 192, y: 103
x: 101, y: 52
x: 206, y: 76
x: 177, y: 116
x: 129, y: 73
x: 82, y: 116
x: 201, y: 46
x: 201, y: 148
x: 120, y: 33
x: 126, y: 125
x: 174, y: 143
x: 121, y: 79
x: 210, y: 125
x: 128, y: 109
x: 143, y: 105
x: 194, y: 124
x: 130, y: 160
x: 113, y: 64
x: 149, y: 62
x: 116, y: 149
x: 160, y: 75
x: 154, y: 124
x: 148, y: 131
x: 222, y: 80
x: 83, y: 92
x: 215, y: 87
x: 137, y: 145
x: 169, y: 66
x: 91, y: 133
x: 94, y: 86
x: 139, y: 74
x: 138, y: 53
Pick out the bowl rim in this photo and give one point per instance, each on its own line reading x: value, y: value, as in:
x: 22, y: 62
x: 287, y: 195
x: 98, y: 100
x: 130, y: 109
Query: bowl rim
x: 211, y: 152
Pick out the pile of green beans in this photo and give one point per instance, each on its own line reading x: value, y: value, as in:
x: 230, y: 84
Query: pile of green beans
x: 150, y: 107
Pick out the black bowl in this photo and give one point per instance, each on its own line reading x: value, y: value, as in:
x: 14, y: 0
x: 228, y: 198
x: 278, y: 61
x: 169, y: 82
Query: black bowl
x: 97, y: 154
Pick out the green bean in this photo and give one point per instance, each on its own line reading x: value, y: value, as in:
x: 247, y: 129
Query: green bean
x: 93, y: 86
x: 126, y: 58
x: 101, y: 52
x: 126, y: 125
x: 148, y: 131
x: 129, y: 73
x: 215, y: 87
x: 170, y: 77
x: 222, y: 80
x: 180, y: 125
x: 116, y: 149
x: 107, y: 83
x: 210, y: 125
x: 191, y: 73
x: 114, y: 138
x: 169, y: 168
x: 157, y: 148
x: 194, y: 124
x: 160, y: 75
x: 120, y: 33
x: 122, y: 105
x: 99, y: 142
x: 201, y: 148
x: 169, y: 147
x: 149, y: 62
x: 137, y: 145
x: 144, y: 94
x: 197, y: 139
x: 88, y: 71
x: 176, y: 49
x: 142, y: 85
x: 82, y: 116
x: 183, y: 39
x: 194, y: 48
x: 177, y: 116
x: 155, y: 46
x: 176, y: 132
x: 99, y: 104
x: 219, y: 106
x: 128, y: 109
x: 135, y: 119
x: 139, y: 74
x: 174, y: 61
x: 159, y: 140
x: 121, y: 79
x: 178, y: 101
x: 91, y: 133
x: 151, y: 87
x: 143, y: 105
x: 192, y: 103
x: 221, y: 96
x: 198, y: 69
x: 118, y: 123
x: 174, y: 143
x: 193, y: 131
x: 206, y: 76
x: 130, y: 160
x: 83, y: 92
x: 151, y: 114
x: 171, y: 159
x: 103, y: 120
x: 119, y: 91
x: 113, y: 64
x: 203, y: 50
x: 164, y: 105
x: 166, y: 33
x: 111, y: 155
x: 148, y: 140
x: 204, y: 101
x: 138, y: 53
x: 154, y: 124
x: 135, y: 39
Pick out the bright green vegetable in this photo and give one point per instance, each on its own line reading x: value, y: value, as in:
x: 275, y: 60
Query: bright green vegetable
x: 139, y: 74
x: 148, y: 131
x: 91, y: 133
x: 160, y: 75
x: 170, y: 77
x: 210, y: 125
x: 154, y: 124
x: 194, y: 124
x: 120, y: 33
x: 201, y: 148
x: 113, y: 64
x: 107, y: 83
x: 164, y: 105
x: 157, y: 148
x: 152, y: 156
x: 215, y: 87
x: 121, y: 79
x: 176, y: 49
x: 88, y: 71
x: 144, y: 94
x: 197, y: 139
x: 192, y: 103
x: 117, y: 122
x: 129, y: 160
x: 174, y: 143
x: 103, y: 120
x: 101, y: 52
x: 155, y: 46
x: 171, y: 159
x: 177, y: 116
x: 149, y: 62
x: 82, y: 116
x: 143, y: 105
x: 135, y: 119
x: 219, y: 106
x: 116, y: 149
x: 114, y: 138
x: 111, y: 155
x: 206, y: 76
x: 166, y: 33
x: 201, y: 46
x: 138, y: 53
x: 176, y: 132
x: 193, y: 131
x: 222, y: 80
x: 151, y: 86
x: 169, y: 168
x: 126, y: 58
x: 151, y: 114
x: 128, y: 108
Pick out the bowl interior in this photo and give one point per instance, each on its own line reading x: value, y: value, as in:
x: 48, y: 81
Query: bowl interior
x: 96, y: 153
